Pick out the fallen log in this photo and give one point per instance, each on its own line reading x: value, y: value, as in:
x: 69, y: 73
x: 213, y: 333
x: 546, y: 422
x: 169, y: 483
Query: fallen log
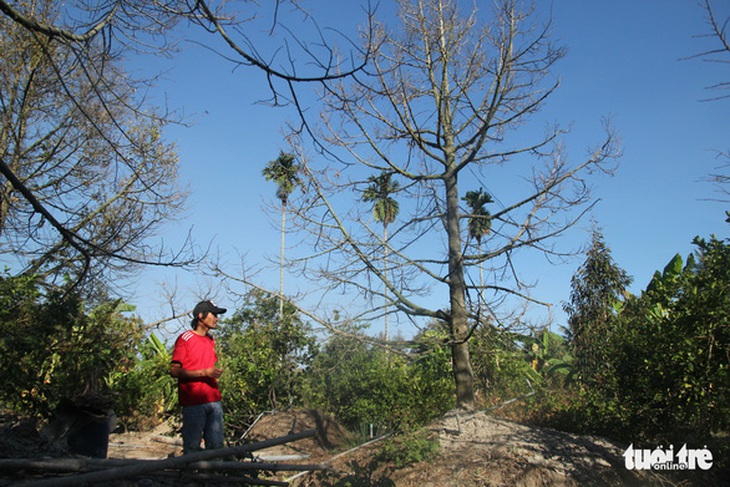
x: 127, y: 471
x: 75, y: 465
x: 281, y: 458
x: 51, y: 464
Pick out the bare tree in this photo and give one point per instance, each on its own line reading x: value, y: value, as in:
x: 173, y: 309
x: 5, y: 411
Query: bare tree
x: 149, y: 27
x: 87, y: 177
x: 720, y: 53
x: 78, y: 44
x: 443, y: 100
x: 721, y: 45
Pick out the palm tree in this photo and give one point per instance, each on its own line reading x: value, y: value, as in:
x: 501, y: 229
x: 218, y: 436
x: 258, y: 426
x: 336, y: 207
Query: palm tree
x: 480, y: 223
x: 285, y: 173
x: 385, y: 211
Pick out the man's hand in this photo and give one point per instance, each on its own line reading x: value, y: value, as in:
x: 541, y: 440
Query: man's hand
x: 177, y: 371
x: 213, y: 372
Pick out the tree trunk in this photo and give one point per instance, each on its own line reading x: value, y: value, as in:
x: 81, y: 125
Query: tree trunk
x: 281, y: 260
x: 459, y: 326
x: 385, y: 273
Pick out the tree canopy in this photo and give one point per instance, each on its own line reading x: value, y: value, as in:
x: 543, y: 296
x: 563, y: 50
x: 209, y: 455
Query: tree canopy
x: 88, y: 178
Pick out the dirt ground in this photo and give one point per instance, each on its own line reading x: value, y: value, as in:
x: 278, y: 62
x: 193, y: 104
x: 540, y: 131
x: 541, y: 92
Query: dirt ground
x: 476, y: 449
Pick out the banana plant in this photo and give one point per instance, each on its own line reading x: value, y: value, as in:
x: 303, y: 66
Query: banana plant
x: 548, y: 355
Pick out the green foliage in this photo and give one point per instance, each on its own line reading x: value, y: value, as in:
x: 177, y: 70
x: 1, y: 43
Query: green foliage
x: 596, y: 289
x: 480, y: 220
x: 673, y: 349
x: 501, y: 365
x: 24, y: 346
x: 264, y: 356
x: 549, y: 357
x: 430, y: 379
x: 665, y: 374
x: 285, y: 173
x: 145, y: 392
x: 408, y: 448
x: 360, y: 384
x: 378, y: 192
x: 54, y: 349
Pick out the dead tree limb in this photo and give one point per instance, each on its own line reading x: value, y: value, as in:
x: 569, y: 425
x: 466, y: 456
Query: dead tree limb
x: 76, y: 465
x: 169, y: 463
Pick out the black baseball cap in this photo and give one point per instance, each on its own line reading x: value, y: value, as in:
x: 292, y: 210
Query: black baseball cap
x: 207, y: 306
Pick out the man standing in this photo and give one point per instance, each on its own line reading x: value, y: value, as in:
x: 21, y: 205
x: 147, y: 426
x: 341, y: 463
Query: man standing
x: 194, y: 365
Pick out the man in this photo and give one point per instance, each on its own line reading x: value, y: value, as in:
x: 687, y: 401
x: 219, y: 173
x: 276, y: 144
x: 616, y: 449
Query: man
x: 194, y: 365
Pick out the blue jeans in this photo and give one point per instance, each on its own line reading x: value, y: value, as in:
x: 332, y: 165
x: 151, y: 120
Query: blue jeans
x: 204, y: 421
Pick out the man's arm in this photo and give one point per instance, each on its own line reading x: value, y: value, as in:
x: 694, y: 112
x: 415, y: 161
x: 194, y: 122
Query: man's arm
x: 178, y: 372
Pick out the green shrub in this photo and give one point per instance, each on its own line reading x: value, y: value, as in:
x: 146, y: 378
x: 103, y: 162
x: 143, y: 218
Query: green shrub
x: 406, y: 449
x: 361, y: 384
x: 263, y: 355
x: 145, y: 393
x: 56, y: 348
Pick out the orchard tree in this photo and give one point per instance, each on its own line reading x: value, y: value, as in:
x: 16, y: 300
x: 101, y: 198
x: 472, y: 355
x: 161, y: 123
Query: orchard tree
x: 58, y: 347
x: 669, y: 354
x: 264, y: 354
x: 443, y: 101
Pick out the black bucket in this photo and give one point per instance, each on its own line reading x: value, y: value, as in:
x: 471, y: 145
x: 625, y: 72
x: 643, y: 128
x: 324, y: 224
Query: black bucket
x: 90, y: 436
x: 84, y: 428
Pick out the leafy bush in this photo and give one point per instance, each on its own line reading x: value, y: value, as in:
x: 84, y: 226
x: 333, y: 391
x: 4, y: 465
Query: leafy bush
x: 672, y: 349
x: 357, y: 384
x: 264, y: 356
x: 501, y: 366
x: 361, y: 384
x: 54, y: 349
x: 406, y: 449
x: 145, y: 393
x: 665, y: 372
x: 430, y: 380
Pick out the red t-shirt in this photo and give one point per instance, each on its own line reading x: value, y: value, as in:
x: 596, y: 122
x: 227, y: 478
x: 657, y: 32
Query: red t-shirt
x: 195, y: 352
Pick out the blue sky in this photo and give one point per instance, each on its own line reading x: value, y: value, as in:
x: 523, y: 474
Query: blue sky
x: 625, y: 60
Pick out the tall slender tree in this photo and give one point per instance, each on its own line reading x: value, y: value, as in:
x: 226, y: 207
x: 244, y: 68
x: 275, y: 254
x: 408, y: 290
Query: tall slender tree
x: 284, y: 171
x: 480, y: 224
x: 385, y: 211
